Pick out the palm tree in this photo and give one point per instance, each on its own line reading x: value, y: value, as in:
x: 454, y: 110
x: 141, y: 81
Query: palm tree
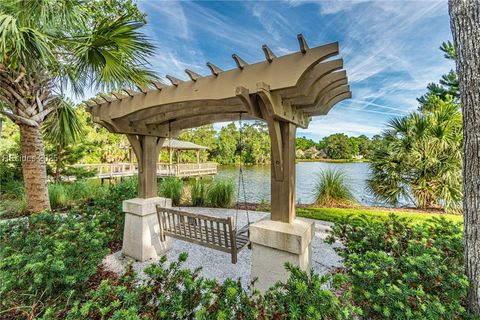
x: 61, y: 128
x: 49, y: 47
x: 421, y: 159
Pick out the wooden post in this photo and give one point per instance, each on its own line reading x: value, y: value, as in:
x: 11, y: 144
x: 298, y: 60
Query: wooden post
x: 198, y: 161
x: 283, y: 186
x: 147, y: 149
x: 282, y: 137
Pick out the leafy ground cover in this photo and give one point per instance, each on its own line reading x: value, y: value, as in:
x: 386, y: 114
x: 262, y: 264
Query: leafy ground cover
x: 394, y: 269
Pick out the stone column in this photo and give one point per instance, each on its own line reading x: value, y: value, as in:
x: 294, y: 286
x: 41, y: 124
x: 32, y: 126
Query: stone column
x: 273, y: 244
x: 283, y: 238
x: 141, y: 240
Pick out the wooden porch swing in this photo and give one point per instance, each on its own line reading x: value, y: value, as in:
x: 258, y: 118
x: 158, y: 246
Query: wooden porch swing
x: 212, y: 232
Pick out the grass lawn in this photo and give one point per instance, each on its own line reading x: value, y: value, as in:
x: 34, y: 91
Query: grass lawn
x: 339, y: 214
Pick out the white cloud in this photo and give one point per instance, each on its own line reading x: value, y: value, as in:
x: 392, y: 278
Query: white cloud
x: 175, y: 20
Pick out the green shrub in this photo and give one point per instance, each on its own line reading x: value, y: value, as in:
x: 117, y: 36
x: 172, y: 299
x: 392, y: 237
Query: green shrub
x: 13, y: 189
x: 13, y: 208
x: 198, y: 192
x: 107, y: 206
x: 57, y: 195
x: 78, y: 190
x: 397, y: 270
x: 172, y: 188
x: 332, y: 190
x: 170, y: 292
x: 45, y: 260
x: 220, y: 193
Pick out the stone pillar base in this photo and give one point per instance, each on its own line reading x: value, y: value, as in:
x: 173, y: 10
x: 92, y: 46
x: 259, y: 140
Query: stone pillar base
x: 273, y: 244
x: 141, y: 240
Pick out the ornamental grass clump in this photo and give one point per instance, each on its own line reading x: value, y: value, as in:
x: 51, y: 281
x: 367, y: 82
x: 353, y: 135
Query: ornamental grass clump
x: 198, y: 193
x: 331, y: 189
x: 172, y: 188
x: 221, y: 193
x: 57, y: 195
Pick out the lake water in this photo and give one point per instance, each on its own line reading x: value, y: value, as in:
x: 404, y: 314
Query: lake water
x: 257, y: 180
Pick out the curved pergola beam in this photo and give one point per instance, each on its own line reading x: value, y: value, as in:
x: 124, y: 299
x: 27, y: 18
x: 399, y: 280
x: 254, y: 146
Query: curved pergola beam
x: 311, y: 77
x: 322, y: 96
x: 322, y: 99
x: 181, y: 107
x: 332, y: 102
x: 327, y: 82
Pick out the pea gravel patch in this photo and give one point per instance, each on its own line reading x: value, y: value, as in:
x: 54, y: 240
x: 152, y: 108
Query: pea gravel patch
x: 216, y: 264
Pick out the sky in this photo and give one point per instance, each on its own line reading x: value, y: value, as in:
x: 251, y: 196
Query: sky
x: 390, y: 48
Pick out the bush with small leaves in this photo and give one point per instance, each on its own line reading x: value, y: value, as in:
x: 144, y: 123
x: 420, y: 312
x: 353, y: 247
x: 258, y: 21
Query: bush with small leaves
x: 46, y: 260
x: 170, y: 292
x: 397, y: 270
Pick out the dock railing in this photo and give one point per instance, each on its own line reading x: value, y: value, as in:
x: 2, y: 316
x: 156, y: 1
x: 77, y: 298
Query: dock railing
x: 181, y: 170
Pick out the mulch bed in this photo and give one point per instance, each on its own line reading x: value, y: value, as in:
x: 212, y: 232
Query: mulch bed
x: 100, y: 275
x: 115, y: 245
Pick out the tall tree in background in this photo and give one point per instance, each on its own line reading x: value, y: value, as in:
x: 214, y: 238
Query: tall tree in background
x: 465, y: 24
x: 47, y: 47
x: 447, y: 86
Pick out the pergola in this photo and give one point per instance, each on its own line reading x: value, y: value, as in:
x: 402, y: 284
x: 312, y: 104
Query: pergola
x: 285, y: 91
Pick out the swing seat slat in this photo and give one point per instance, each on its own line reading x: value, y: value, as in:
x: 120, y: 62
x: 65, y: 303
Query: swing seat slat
x: 212, y: 232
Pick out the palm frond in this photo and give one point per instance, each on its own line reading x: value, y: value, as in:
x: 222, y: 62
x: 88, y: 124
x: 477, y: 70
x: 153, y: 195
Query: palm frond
x: 113, y: 55
x: 63, y: 126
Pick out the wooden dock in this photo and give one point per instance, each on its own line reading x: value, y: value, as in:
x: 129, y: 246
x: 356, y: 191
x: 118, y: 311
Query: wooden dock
x: 181, y: 170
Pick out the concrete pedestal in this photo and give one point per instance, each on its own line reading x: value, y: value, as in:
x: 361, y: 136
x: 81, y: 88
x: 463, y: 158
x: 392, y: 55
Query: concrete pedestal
x: 141, y: 239
x: 273, y: 244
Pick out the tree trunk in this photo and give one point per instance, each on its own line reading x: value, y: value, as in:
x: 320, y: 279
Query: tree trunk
x: 33, y: 167
x: 465, y: 24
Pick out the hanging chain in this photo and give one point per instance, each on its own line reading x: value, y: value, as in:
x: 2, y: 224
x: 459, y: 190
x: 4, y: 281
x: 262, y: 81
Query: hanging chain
x: 241, y: 180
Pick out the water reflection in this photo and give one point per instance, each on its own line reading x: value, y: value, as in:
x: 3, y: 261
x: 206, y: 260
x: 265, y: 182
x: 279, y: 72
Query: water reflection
x: 257, y: 180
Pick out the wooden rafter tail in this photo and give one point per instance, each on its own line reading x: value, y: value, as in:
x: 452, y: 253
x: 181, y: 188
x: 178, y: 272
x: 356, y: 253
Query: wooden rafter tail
x: 107, y: 97
x: 100, y: 101
x: 333, y: 92
x: 239, y: 61
x: 317, y: 89
x: 118, y: 95
x: 173, y: 80
x: 89, y: 103
x: 269, y: 55
x: 142, y: 89
x: 192, y: 74
x: 130, y: 93
x: 302, y: 43
x: 158, y: 84
x: 214, y: 69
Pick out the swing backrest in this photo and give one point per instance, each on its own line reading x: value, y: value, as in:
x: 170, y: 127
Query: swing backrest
x: 213, y: 232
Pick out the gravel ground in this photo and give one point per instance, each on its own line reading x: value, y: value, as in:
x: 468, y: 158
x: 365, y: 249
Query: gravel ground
x: 216, y: 264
